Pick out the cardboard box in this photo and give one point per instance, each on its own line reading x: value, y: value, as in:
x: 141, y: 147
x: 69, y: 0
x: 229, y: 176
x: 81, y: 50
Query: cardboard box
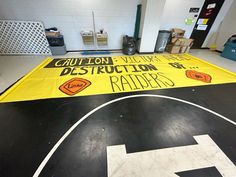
x: 179, y: 44
x: 178, y: 33
x: 175, y: 41
x: 173, y: 49
x: 187, y: 42
x: 52, y: 33
x: 187, y: 50
x: 183, y: 49
x: 182, y: 41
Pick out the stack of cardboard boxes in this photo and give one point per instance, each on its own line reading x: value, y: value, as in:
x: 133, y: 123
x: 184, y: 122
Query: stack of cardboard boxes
x: 178, y: 43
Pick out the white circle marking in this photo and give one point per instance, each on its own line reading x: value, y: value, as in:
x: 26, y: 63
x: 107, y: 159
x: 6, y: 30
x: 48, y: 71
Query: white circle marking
x: 49, y: 155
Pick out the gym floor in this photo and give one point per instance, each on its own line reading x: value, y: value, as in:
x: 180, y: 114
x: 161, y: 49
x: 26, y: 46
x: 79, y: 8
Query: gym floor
x: 178, y: 132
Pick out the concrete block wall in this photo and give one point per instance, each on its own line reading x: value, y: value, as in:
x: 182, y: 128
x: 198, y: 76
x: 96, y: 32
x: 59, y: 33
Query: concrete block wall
x: 117, y: 17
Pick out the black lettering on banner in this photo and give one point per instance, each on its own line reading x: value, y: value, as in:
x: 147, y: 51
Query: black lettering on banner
x: 138, y: 59
x: 65, y: 71
x: 75, y: 62
x: 114, y: 83
x: 140, y: 79
x: 100, y: 69
x: 149, y: 59
x: 143, y: 81
x: 175, y: 57
x: 155, y: 78
x: 59, y: 63
x: 72, y: 72
x: 109, y: 70
x: 184, y: 57
x: 133, y: 82
x: 149, y: 80
x: 143, y: 67
x: 177, y: 65
x: 135, y: 68
x: 124, y: 82
x: 130, y: 59
x: 116, y: 69
x: 168, y: 81
x: 89, y: 61
x: 125, y: 67
x: 92, y: 72
x: 125, y: 59
x: 146, y: 67
x: 84, y: 71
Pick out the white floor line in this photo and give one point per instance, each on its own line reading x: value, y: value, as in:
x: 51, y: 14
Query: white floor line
x: 46, y: 159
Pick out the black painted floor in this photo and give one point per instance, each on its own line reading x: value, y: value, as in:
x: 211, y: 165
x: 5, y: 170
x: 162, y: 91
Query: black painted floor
x: 29, y: 130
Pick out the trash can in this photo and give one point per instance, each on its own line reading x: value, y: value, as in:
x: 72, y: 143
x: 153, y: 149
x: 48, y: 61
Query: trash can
x: 129, y: 45
x: 162, y: 40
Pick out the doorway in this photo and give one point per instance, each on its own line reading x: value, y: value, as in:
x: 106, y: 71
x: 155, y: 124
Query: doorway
x: 205, y: 21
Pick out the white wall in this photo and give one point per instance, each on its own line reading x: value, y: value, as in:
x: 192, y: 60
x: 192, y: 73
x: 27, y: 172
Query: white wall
x: 152, y: 11
x: 175, y: 13
x: 227, y: 27
x: 117, y: 17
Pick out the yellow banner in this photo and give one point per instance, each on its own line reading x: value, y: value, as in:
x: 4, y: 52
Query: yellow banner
x: 67, y: 77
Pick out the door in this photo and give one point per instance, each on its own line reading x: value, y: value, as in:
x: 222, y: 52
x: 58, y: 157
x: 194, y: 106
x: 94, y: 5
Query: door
x: 205, y: 20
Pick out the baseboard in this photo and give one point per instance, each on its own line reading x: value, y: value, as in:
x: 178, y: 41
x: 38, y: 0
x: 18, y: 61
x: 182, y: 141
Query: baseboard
x: 209, y: 49
x: 212, y: 50
x: 145, y: 52
x: 218, y: 51
x: 110, y: 50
